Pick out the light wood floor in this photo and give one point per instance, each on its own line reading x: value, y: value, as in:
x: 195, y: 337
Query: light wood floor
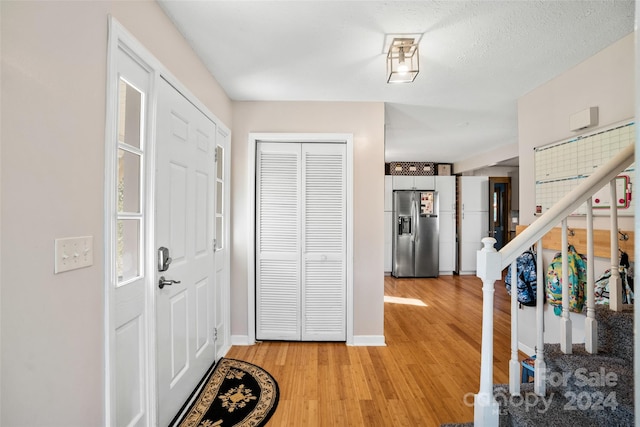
x: 430, y: 366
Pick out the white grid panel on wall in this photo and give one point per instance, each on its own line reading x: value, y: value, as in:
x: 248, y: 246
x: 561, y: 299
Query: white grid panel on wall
x: 562, y: 166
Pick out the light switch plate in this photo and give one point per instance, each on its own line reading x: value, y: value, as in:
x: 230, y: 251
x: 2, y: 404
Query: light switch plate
x: 72, y: 253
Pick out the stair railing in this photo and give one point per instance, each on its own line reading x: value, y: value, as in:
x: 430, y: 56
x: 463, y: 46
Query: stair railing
x: 490, y: 264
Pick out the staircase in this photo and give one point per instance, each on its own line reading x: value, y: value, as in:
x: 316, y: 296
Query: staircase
x: 590, y: 384
x: 582, y: 389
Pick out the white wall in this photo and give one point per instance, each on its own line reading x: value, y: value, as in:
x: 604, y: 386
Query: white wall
x: 496, y: 171
x: 366, y: 122
x: 605, y: 80
x: 481, y: 160
x: 53, y: 122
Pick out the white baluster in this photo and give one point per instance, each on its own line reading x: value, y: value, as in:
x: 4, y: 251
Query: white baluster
x: 540, y: 369
x: 590, y: 325
x: 615, y: 286
x: 565, y: 330
x: 486, y: 408
x: 514, y: 364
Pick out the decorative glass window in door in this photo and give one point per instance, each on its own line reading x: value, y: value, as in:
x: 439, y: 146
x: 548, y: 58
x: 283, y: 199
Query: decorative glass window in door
x: 219, y: 197
x: 129, y: 221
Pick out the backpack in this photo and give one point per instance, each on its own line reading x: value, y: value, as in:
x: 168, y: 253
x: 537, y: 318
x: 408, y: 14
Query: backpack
x: 601, y: 287
x: 577, y: 275
x: 527, y: 278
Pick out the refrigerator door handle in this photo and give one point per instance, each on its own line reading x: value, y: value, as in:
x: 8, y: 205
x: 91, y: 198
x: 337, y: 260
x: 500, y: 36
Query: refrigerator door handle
x: 415, y: 232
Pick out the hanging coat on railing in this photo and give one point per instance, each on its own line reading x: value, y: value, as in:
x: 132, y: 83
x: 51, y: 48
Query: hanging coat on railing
x: 577, y: 281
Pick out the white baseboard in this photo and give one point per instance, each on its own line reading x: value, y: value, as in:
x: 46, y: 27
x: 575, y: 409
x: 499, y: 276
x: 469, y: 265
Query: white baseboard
x: 240, y: 340
x: 369, y: 340
x: 358, y: 340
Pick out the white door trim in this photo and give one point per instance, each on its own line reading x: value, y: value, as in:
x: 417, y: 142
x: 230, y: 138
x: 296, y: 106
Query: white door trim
x: 254, y: 138
x: 226, y: 288
x: 120, y: 38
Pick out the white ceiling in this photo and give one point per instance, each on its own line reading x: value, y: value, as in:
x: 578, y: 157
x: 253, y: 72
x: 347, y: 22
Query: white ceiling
x: 476, y: 59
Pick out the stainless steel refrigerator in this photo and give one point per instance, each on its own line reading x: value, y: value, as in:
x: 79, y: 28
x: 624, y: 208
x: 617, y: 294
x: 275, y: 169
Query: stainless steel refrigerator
x: 415, y: 235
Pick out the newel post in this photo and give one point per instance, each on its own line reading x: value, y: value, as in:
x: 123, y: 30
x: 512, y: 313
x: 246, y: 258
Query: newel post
x: 486, y: 410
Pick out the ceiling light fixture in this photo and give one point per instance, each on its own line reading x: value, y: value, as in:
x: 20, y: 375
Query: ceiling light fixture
x: 402, y: 61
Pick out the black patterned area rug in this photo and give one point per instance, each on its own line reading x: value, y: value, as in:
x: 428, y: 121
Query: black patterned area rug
x: 236, y: 393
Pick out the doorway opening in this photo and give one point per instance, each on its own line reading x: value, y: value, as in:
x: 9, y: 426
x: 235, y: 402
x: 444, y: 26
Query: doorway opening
x: 499, y: 210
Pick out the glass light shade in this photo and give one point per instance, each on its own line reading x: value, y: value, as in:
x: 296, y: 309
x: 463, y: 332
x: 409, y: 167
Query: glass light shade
x: 402, y: 61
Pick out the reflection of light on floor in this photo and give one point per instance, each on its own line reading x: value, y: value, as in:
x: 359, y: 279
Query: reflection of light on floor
x: 407, y: 301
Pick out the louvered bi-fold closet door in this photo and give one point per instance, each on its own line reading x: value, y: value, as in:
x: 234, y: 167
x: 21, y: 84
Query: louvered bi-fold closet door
x: 301, y: 242
x: 323, y: 242
x: 278, y: 241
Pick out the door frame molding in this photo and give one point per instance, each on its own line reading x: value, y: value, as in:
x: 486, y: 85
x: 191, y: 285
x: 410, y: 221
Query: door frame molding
x: 254, y: 138
x: 120, y: 38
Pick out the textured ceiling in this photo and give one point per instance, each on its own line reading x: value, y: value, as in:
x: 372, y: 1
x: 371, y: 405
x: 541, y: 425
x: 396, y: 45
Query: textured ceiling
x: 476, y: 59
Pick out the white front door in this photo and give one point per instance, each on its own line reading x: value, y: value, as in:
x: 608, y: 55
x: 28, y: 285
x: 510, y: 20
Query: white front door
x: 185, y: 226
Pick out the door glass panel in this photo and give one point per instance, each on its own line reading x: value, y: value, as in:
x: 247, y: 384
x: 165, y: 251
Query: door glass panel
x: 128, y: 181
x: 129, y: 115
x: 220, y: 166
x: 129, y: 170
x: 219, y: 238
x: 219, y: 198
x: 128, y: 250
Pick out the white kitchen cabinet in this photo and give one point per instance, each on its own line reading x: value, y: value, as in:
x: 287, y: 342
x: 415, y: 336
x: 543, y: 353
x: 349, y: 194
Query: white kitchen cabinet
x: 447, y: 243
x: 473, y: 211
x: 474, y: 191
x: 425, y: 182
x: 446, y: 188
x: 474, y: 227
x: 403, y: 182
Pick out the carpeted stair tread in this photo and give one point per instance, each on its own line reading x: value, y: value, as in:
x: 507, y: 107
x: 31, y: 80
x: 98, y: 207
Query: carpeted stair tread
x: 583, y: 389
x: 605, y: 407
x: 601, y: 384
x: 615, y: 331
x: 597, y: 370
x: 592, y: 378
x: 529, y: 410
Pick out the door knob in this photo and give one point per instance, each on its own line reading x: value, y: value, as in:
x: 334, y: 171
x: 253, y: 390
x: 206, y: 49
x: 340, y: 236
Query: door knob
x: 166, y: 282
